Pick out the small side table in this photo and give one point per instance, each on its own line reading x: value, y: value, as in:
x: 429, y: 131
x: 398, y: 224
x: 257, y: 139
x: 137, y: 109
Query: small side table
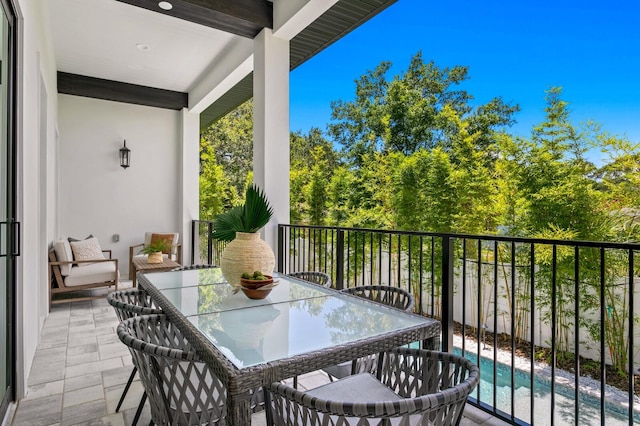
x: 140, y: 264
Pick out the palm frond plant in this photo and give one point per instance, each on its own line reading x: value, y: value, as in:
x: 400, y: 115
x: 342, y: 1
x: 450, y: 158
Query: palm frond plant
x: 249, y: 217
x: 156, y: 246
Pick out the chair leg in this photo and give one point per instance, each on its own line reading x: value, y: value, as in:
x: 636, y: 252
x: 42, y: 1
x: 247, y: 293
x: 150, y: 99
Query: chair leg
x: 268, y: 407
x: 126, y: 388
x: 139, y: 410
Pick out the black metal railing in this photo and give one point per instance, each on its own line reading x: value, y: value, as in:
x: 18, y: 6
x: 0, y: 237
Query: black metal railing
x: 204, y: 249
x: 537, y: 315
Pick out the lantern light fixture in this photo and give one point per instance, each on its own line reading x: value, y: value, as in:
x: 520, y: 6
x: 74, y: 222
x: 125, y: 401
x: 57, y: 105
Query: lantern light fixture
x: 125, y: 156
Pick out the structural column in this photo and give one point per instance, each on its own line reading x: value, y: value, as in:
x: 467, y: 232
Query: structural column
x: 271, y: 127
x: 190, y: 185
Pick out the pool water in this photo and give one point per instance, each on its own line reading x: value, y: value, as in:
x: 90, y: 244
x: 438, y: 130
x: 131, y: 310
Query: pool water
x: 589, y: 406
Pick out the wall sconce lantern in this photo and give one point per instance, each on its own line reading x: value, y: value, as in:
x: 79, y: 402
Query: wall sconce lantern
x: 125, y: 156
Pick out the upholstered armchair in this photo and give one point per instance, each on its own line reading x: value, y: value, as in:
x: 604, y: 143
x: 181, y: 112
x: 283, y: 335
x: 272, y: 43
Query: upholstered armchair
x: 172, y: 238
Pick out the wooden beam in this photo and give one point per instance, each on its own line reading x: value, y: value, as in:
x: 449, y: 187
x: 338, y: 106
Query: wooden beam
x: 245, y: 18
x: 90, y: 87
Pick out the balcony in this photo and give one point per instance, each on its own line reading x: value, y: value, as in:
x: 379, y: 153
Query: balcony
x: 534, y: 311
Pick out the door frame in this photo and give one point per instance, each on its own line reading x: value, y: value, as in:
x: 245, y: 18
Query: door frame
x: 13, y: 244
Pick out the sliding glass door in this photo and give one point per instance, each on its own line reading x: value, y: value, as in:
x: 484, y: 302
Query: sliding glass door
x: 9, y: 231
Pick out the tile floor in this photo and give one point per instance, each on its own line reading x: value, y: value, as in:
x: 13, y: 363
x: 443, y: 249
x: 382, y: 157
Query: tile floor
x: 80, y: 369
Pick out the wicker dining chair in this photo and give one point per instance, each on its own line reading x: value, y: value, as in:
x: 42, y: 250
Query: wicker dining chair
x: 391, y: 296
x: 414, y: 387
x: 320, y: 278
x: 182, y: 389
x: 127, y: 304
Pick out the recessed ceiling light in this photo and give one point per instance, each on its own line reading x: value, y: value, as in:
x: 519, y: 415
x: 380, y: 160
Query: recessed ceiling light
x: 142, y: 46
x: 165, y: 5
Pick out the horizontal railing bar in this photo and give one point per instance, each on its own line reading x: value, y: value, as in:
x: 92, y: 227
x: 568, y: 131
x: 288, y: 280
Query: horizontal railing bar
x: 489, y: 237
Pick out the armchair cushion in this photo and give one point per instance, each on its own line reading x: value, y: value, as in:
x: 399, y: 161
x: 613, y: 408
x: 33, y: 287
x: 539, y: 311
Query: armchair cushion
x: 92, y: 273
x: 88, y: 249
x: 64, y: 254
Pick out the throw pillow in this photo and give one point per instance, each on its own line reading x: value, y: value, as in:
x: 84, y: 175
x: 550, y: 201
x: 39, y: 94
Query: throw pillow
x: 71, y: 239
x: 86, y: 250
x: 163, y: 237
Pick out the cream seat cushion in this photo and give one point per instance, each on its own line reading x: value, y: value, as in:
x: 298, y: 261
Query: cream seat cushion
x: 91, y: 274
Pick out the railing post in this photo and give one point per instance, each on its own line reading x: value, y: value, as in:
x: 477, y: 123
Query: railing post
x: 281, y: 248
x: 210, y: 244
x: 447, y: 294
x: 193, y: 242
x: 340, y: 260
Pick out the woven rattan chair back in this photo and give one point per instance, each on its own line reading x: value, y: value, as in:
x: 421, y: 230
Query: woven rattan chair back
x: 390, y: 296
x: 182, y: 390
x: 432, y: 386
x: 133, y: 302
x: 191, y: 267
x: 319, y: 278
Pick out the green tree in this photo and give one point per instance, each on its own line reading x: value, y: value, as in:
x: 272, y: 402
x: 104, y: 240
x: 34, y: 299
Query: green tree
x: 216, y: 192
x: 411, y: 111
x: 231, y: 141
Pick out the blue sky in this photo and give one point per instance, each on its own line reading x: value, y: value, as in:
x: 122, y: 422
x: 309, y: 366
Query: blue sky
x: 515, y: 49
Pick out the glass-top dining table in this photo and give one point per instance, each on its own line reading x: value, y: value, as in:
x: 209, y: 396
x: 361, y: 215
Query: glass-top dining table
x: 298, y: 328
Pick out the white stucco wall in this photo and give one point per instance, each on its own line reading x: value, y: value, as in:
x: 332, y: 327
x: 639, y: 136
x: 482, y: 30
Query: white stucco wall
x: 96, y: 195
x: 36, y: 76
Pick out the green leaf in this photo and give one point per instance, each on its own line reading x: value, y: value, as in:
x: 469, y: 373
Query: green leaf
x: 249, y: 217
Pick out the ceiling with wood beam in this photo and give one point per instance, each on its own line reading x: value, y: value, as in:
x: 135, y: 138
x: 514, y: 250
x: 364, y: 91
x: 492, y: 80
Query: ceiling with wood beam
x: 106, y: 46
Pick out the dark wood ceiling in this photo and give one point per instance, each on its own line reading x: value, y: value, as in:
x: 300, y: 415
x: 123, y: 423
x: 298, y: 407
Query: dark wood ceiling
x: 342, y: 18
x: 245, y: 18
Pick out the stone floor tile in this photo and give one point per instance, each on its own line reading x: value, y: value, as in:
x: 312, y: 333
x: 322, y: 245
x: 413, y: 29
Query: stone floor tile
x: 91, y: 332
x: 45, y: 389
x: 113, y: 350
x: 116, y: 419
x: 83, y: 413
x: 83, y: 349
x: 84, y: 381
x: 145, y: 416
x: 107, y: 339
x: 92, y: 367
x: 82, y: 341
x: 43, y: 373
x: 53, y: 321
x: 82, y: 396
x: 54, y: 332
x: 53, y: 341
x: 116, y: 376
x: 50, y: 355
x: 40, y: 411
x: 131, y: 400
x: 82, y: 358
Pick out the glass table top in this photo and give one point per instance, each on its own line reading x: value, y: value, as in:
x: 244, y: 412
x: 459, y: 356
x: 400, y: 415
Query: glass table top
x: 271, y: 332
x: 188, y: 278
x: 297, y: 317
x: 201, y: 299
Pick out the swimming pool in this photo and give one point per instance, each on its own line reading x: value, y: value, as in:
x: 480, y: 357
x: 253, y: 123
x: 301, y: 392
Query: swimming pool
x: 564, y: 397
